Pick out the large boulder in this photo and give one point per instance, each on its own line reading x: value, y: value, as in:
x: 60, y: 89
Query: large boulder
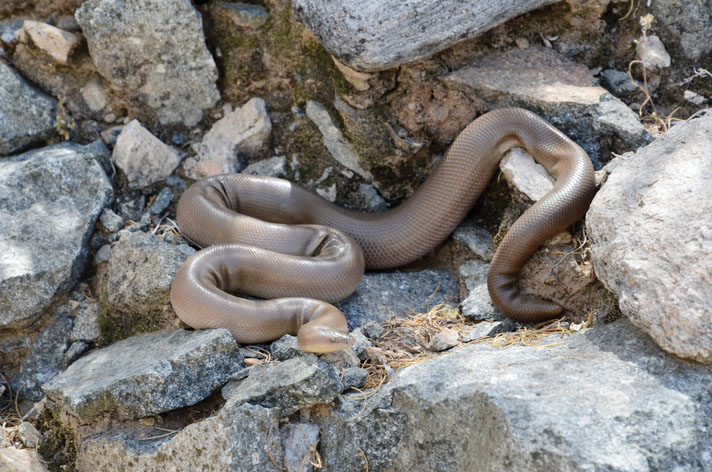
x: 155, y: 50
x: 651, y: 238
x: 50, y: 200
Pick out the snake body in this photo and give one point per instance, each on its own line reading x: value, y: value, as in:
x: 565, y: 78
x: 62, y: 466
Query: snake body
x: 270, y: 238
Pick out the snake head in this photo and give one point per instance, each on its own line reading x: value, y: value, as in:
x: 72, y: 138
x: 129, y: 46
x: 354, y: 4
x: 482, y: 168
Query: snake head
x: 325, y: 332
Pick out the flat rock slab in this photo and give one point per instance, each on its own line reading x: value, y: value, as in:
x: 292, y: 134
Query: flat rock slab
x: 606, y: 399
x: 560, y: 90
x: 398, y: 292
x: 147, y: 374
x: 241, y: 437
x: 154, y: 49
x: 651, y: 238
x: 380, y: 34
x: 47, y: 358
x: 51, y: 199
x: 27, y: 116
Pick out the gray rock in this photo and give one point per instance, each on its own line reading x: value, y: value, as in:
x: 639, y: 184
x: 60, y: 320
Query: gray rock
x: 155, y: 50
x: 29, y: 435
x: 354, y: 377
x: 75, y: 351
x: 142, y: 157
x: 618, y: 82
x: 526, y: 175
x: 177, y: 183
x: 373, y: 330
x: 242, y: 132
x: 444, y: 340
x: 8, y: 28
x: 27, y: 116
x: 373, y: 202
x: 141, y: 269
x: 477, y: 304
x: 561, y: 91
x: 289, y: 385
x: 651, y: 238
x: 361, y: 342
x: 688, y: 21
x: 111, y: 221
x: 339, y: 148
x: 46, y: 359
x: 242, y: 14
x: 239, y: 438
x: 342, y: 360
x: 477, y: 239
x: 163, y: 199
x: 147, y: 374
x: 273, y: 167
x: 286, y: 347
x: 398, y: 292
x: 103, y: 254
x: 299, y: 441
x: 605, y: 399
x: 378, y: 34
x: 483, y: 329
x: 20, y: 460
x: 51, y: 199
x: 651, y: 50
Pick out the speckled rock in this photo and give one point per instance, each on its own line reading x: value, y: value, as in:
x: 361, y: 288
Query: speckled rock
x: 51, y: 199
x: 399, y: 292
x: 477, y: 239
x: 155, y: 50
x: 273, y: 167
x: 142, y: 157
x: 237, y: 136
x: 561, y: 91
x: 27, y: 116
x: 146, y: 374
x: 46, y: 359
x: 141, y: 269
x: 604, y: 399
x: 651, y: 238
x: 690, y: 23
x: 298, y: 440
x: 289, y: 385
x: 380, y: 34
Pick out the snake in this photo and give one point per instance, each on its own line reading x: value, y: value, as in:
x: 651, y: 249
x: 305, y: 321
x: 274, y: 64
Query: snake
x: 299, y: 253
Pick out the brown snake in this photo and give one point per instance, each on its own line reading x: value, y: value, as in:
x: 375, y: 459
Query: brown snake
x: 270, y: 238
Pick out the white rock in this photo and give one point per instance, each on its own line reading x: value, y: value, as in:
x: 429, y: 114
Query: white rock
x: 476, y: 238
x: 651, y: 238
x: 58, y: 43
x: 334, y: 140
x: 522, y: 172
x: 328, y: 193
x: 273, y: 167
x: 242, y: 131
x: 20, y: 460
x: 652, y: 52
x: 142, y: 157
x: 94, y: 96
x: 477, y: 305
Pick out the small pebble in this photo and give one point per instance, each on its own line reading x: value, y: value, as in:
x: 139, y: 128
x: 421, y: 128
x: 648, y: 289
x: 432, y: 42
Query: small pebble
x: 164, y: 198
x: 444, y: 340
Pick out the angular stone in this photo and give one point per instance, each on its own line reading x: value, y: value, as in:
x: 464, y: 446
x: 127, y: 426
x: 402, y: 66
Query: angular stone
x: 240, y: 133
x: 299, y: 441
x: 27, y: 116
x: 526, y: 175
x: 147, y: 374
x: 142, y: 157
x: 141, y: 269
x: 380, y: 34
x: 651, y: 50
x: 339, y: 148
x: 354, y: 377
x: 155, y: 50
x: 273, y: 167
x: 111, y: 221
x: 240, y: 437
x: 286, y: 347
x: 57, y: 43
x: 46, y: 359
x: 689, y: 22
x: 477, y: 239
x: 398, y: 292
x: 51, y: 199
x: 651, y: 238
x: 444, y: 340
x: 561, y: 91
x: 289, y: 385
x: 483, y: 329
x: 603, y: 399
x: 20, y: 460
x: 478, y: 305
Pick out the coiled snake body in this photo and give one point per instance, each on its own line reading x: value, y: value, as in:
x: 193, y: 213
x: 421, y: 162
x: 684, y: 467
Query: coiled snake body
x: 270, y: 238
